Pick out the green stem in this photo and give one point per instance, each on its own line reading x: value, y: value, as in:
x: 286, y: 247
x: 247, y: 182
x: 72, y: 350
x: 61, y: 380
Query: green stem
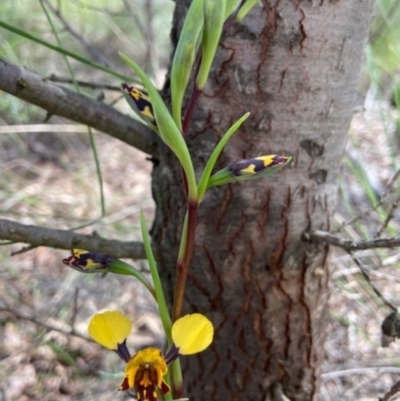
x: 184, y: 263
x: 91, y: 137
x: 161, y: 303
x: 119, y: 267
x: 190, y: 109
x: 177, y: 379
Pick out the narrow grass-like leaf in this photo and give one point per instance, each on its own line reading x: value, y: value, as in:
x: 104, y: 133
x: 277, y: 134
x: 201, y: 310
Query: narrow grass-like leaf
x: 359, y: 172
x: 90, y: 132
x: 161, y: 302
x: 214, y: 18
x: 246, y: 8
x: 203, y: 183
x: 231, y: 6
x: 62, y: 355
x: 185, y: 56
x: 63, y: 51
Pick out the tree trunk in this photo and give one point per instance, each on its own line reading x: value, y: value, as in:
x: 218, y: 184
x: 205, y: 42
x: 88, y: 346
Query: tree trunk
x: 294, y: 66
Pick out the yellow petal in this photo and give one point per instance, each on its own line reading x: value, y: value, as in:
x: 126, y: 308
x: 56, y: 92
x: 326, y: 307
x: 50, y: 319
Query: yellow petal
x: 192, y: 333
x: 109, y: 328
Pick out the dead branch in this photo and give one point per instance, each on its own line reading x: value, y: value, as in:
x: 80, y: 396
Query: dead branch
x: 65, y: 239
x: 388, y: 190
x: 60, y: 101
x: 349, y: 245
x: 59, y: 327
x: 394, y: 206
x: 390, y: 393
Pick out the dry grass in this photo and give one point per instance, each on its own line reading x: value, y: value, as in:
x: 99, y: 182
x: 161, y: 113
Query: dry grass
x: 356, y: 366
x: 41, y: 364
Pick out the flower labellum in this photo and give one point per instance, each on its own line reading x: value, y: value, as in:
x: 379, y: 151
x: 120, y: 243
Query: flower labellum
x: 145, y: 372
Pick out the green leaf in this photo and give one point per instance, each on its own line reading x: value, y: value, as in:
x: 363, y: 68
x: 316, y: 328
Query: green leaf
x: 62, y: 51
x: 167, y: 129
x: 231, y: 6
x: 185, y: 56
x: 214, y: 18
x: 203, y: 183
x: 246, y: 8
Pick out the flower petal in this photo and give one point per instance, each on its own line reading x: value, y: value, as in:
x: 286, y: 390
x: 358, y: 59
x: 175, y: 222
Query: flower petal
x: 192, y: 333
x: 109, y: 329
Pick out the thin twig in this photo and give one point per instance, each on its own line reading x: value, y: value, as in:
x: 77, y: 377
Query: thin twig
x: 359, y: 371
x: 148, y: 36
x: 383, y: 22
x: 65, y: 239
x: 61, y: 101
x: 350, y: 245
x: 389, y: 217
x: 390, y: 393
x: 125, y: 13
x: 372, y: 286
x: 388, y: 189
x: 357, y: 364
x: 94, y: 53
x: 74, y: 308
x: 86, y: 84
x: 23, y: 250
x: 136, y: 20
x: 62, y: 328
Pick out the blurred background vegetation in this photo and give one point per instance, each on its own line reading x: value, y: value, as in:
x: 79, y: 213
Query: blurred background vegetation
x: 48, y: 176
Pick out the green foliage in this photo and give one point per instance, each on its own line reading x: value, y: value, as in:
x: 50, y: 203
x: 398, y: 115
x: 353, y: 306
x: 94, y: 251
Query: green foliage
x: 384, y: 45
x: 205, y: 177
x: 185, y: 56
x: 214, y: 18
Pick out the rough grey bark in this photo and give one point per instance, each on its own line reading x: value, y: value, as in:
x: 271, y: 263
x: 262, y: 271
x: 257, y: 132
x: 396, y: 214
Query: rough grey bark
x: 294, y: 65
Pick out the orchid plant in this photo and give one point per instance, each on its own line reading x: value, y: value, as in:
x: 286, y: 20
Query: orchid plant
x: 150, y: 372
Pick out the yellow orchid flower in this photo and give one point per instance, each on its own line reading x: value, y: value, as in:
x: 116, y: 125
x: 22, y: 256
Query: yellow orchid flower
x: 145, y: 370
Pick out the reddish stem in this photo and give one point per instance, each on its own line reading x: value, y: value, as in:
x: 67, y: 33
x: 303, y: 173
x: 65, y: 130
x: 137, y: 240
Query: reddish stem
x: 189, y: 110
x: 183, y: 266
